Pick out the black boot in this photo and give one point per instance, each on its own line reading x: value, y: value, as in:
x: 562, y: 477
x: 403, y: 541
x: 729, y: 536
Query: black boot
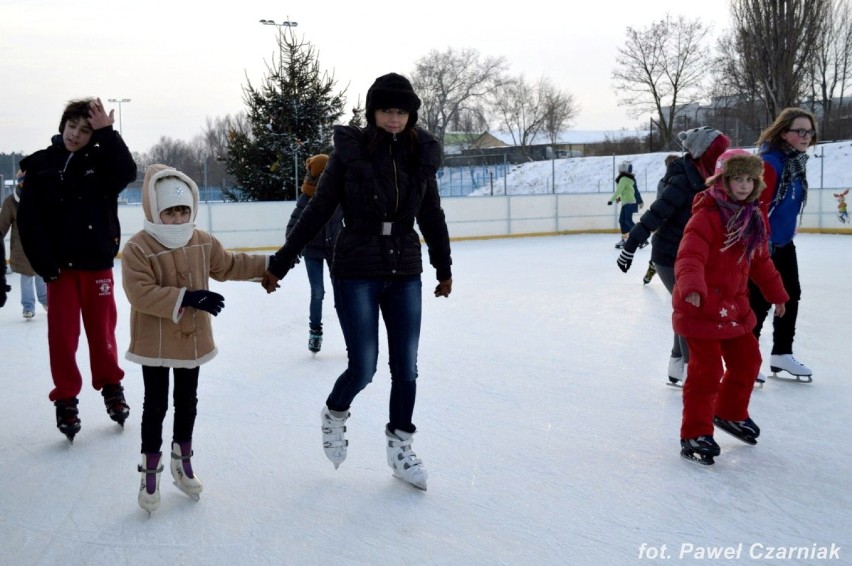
x: 315, y: 340
x: 67, y: 419
x: 116, y: 405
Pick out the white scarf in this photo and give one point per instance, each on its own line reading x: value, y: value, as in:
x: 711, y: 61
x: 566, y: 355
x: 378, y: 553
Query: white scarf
x: 171, y: 235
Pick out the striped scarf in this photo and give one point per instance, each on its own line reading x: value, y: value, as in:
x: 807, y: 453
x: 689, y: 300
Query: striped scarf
x: 794, y: 168
x: 742, y: 221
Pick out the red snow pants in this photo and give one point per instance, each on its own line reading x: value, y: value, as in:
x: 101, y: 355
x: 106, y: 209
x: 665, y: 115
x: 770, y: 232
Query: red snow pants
x: 90, y: 294
x: 712, y: 389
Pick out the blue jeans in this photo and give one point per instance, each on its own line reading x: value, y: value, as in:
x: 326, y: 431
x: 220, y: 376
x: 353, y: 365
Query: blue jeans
x: 358, y: 303
x: 313, y: 266
x: 28, y: 297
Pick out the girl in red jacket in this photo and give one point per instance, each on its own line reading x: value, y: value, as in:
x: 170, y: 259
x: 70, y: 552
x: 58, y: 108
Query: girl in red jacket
x: 723, y: 246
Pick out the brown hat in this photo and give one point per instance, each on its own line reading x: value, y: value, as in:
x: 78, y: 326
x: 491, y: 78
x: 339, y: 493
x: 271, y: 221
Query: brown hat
x: 739, y: 163
x: 315, y: 165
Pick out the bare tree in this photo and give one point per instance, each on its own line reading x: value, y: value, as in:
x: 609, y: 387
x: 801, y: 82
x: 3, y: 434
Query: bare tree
x: 453, y: 85
x: 772, y: 45
x: 832, y: 63
x: 560, y: 109
x: 662, y: 68
x: 519, y: 110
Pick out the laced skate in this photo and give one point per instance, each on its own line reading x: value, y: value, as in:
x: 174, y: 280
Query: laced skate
x: 29, y: 315
x: 67, y: 419
x: 333, y: 436
x: 649, y: 274
x: 315, y: 340
x: 746, y: 430
x: 701, y: 450
x: 677, y: 372
x: 181, y: 467
x: 403, y: 461
x: 149, y: 485
x: 116, y: 406
x: 786, y: 362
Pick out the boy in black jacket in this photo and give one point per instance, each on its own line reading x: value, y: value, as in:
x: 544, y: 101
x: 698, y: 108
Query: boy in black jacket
x: 68, y: 222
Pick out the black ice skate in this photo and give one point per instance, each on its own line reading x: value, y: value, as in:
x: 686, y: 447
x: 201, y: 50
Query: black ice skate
x: 315, y: 340
x: 67, y: 419
x: 700, y: 450
x: 746, y: 430
x: 649, y: 274
x: 116, y: 405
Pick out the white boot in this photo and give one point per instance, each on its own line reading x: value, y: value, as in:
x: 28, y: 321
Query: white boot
x: 333, y: 435
x: 676, y: 370
x: 402, y: 459
x: 182, y: 472
x: 788, y: 363
x: 149, y: 491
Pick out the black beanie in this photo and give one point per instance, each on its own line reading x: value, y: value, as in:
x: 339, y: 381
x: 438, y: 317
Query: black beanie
x: 392, y: 91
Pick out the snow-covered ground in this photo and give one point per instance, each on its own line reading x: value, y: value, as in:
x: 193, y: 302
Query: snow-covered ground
x: 545, y: 423
x: 828, y: 167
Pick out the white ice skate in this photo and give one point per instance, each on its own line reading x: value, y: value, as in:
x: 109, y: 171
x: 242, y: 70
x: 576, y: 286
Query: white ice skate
x: 677, y: 372
x: 150, y: 466
x: 333, y: 435
x: 403, y: 461
x: 786, y: 362
x: 185, y: 479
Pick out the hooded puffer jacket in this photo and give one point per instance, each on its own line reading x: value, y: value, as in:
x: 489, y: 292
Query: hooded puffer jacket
x: 383, y: 186
x: 156, y: 278
x: 719, y: 277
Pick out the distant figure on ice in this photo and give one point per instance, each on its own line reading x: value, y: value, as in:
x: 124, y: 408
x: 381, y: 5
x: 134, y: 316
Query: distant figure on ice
x: 166, y: 268
x: 318, y: 250
x: 32, y: 285
x: 667, y: 217
x: 724, y: 246
x: 842, y: 214
x: 68, y: 223
x: 383, y: 176
x: 627, y: 193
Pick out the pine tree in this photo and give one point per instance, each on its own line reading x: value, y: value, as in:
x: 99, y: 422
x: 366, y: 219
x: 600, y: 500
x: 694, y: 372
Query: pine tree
x: 289, y: 118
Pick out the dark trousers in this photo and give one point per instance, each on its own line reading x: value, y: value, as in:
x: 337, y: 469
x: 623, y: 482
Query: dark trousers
x: 157, y: 403
x: 783, y: 328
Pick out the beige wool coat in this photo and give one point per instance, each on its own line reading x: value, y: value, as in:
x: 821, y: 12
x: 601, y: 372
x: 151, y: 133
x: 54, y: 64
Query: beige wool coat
x: 155, y: 279
x: 8, y: 222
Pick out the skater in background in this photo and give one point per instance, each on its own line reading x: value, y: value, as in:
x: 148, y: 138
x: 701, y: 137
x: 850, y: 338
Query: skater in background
x: 627, y: 193
x: 723, y: 246
x: 32, y: 285
x: 318, y: 250
x: 661, y: 184
x: 165, y: 272
x: 383, y: 176
x: 68, y: 223
x: 782, y: 147
x: 667, y: 216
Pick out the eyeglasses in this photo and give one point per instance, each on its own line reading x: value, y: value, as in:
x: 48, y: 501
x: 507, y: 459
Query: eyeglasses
x: 803, y: 133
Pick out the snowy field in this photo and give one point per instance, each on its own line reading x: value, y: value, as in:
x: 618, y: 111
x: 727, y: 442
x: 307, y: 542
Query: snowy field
x: 544, y: 421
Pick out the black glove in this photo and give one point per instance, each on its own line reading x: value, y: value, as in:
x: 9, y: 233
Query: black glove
x: 204, y: 300
x: 625, y: 260
x: 609, y: 202
x: 3, y: 290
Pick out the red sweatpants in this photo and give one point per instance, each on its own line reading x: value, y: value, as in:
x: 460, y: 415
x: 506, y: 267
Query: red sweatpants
x: 705, y: 396
x: 90, y: 294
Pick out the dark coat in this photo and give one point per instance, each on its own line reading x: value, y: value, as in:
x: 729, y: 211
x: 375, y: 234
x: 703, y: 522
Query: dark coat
x: 68, y: 215
x: 322, y: 246
x: 667, y: 216
x: 382, y: 184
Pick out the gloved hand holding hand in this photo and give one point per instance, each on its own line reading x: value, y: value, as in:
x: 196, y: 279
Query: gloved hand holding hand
x: 625, y: 260
x: 609, y: 202
x: 204, y: 300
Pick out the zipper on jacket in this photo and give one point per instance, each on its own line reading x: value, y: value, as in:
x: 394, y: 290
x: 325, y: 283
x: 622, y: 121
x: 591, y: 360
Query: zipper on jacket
x: 395, y: 174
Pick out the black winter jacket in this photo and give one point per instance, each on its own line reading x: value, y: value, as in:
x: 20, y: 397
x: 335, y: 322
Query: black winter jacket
x: 68, y: 216
x: 667, y: 216
x: 383, y: 185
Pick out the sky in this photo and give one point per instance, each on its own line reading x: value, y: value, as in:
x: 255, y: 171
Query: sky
x: 543, y: 418
x: 181, y: 63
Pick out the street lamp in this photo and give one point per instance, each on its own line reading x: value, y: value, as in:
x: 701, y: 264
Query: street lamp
x: 287, y: 24
x: 119, y: 101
